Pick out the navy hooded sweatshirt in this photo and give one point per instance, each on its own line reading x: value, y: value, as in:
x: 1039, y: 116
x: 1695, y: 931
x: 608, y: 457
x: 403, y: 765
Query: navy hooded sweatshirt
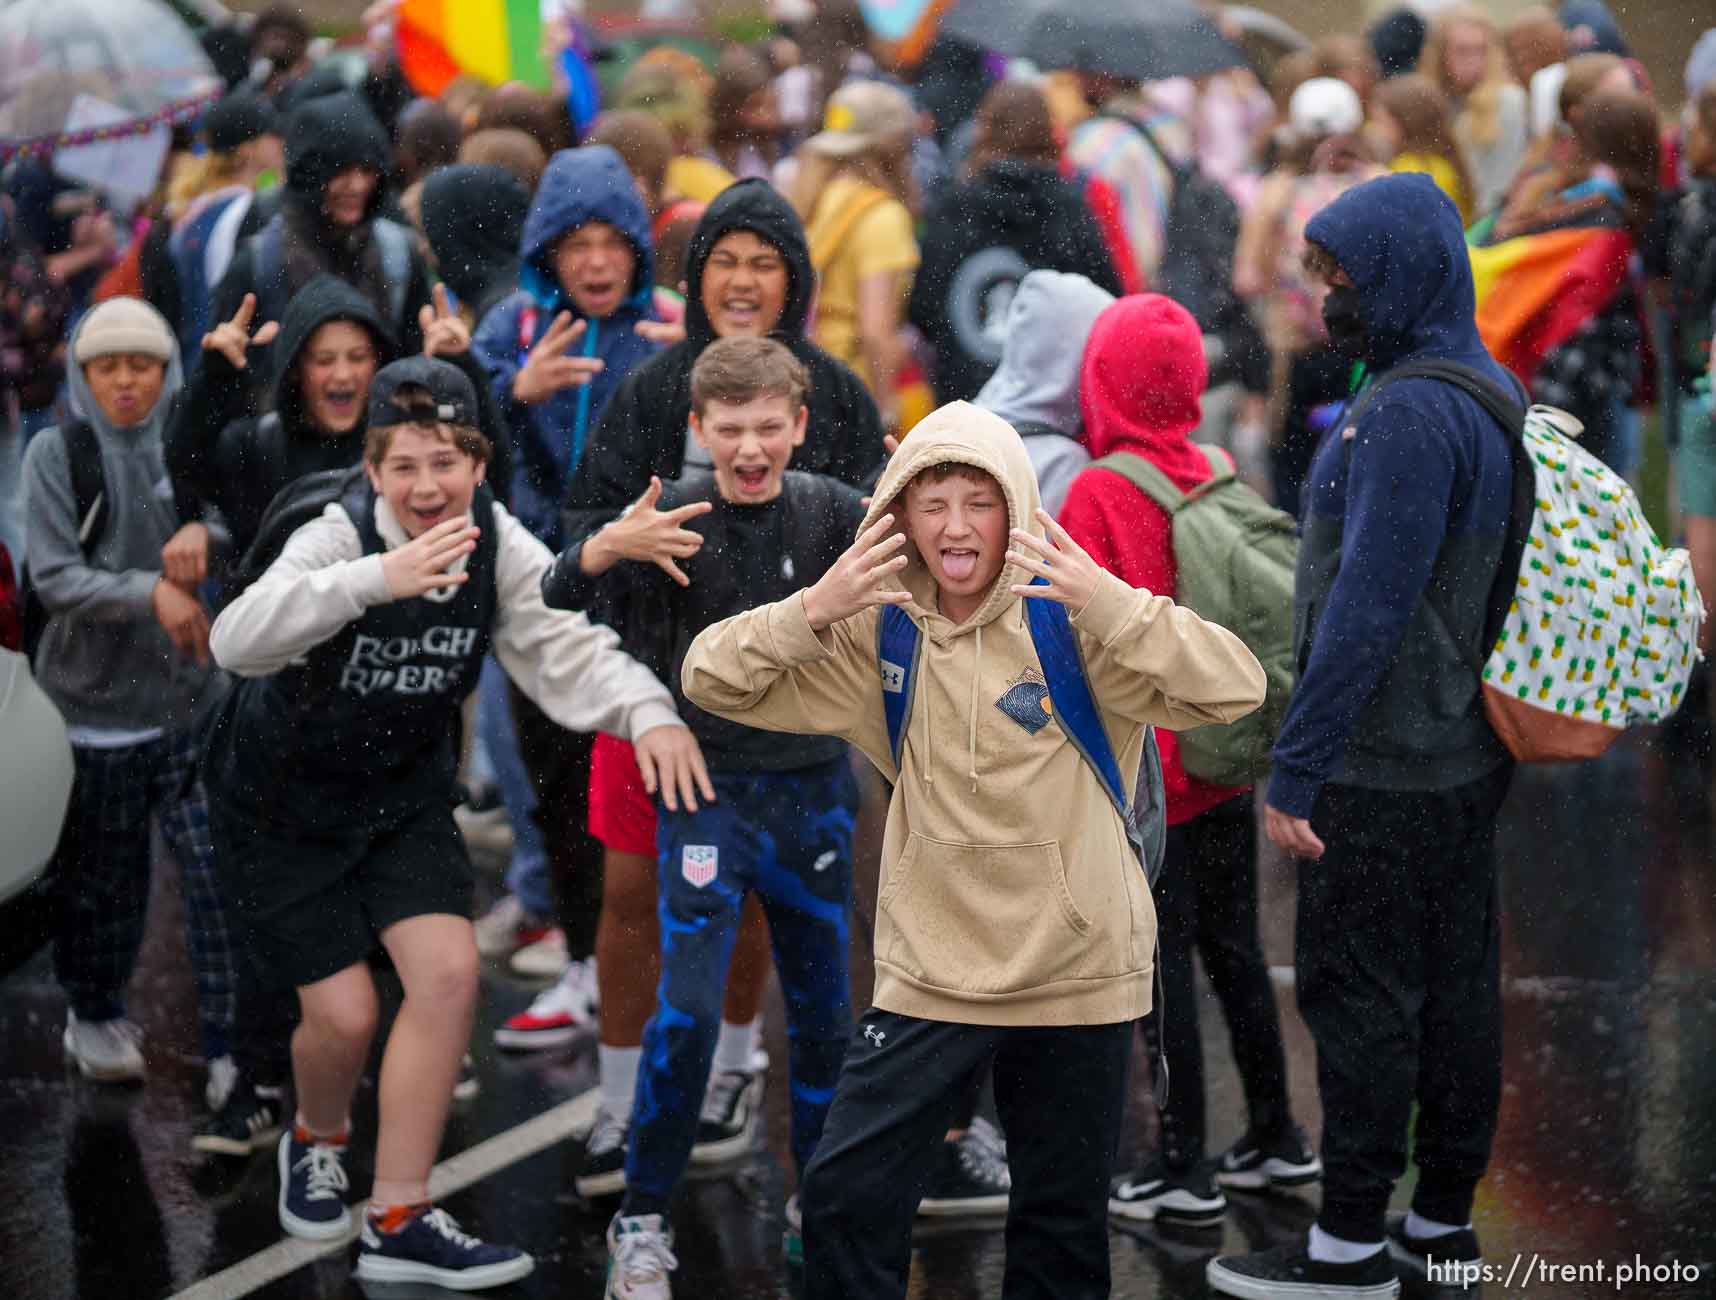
x: 1414, y: 497
x: 644, y: 429
x: 579, y: 186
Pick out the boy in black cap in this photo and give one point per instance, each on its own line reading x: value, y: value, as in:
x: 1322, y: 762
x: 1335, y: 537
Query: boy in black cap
x: 331, y: 775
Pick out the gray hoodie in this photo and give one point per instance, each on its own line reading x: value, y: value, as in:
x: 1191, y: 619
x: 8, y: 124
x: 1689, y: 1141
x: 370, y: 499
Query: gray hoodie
x: 104, y: 659
x: 1035, y: 389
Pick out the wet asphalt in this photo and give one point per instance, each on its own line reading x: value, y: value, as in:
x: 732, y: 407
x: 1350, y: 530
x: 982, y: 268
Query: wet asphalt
x: 1606, y: 1154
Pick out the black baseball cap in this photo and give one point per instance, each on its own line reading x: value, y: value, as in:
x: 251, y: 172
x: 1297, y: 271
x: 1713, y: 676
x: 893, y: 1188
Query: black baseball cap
x: 450, y: 400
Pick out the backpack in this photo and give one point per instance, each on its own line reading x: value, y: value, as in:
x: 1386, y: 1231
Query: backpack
x: 898, y: 644
x: 89, y: 493
x: 1235, y: 555
x: 270, y: 254
x: 293, y: 506
x: 1592, y: 622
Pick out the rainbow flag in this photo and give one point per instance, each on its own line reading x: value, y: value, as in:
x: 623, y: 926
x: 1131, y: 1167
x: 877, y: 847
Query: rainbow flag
x: 1535, y: 291
x: 497, y: 40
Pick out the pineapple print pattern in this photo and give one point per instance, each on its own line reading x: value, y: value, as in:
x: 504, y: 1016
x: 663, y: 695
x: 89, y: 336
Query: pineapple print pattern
x: 1604, y: 623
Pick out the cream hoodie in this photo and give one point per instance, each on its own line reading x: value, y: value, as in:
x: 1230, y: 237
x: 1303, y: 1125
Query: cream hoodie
x: 1009, y: 895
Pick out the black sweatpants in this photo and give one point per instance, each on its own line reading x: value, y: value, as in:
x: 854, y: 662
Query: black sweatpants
x: 1060, y: 1092
x: 1206, y: 901
x: 558, y: 761
x: 1398, y: 955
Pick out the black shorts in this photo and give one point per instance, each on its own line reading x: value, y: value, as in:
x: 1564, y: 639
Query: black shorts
x: 312, y: 904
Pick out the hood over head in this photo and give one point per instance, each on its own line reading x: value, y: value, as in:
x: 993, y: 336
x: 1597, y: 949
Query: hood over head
x: 581, y: 186
x: 326, y: 298
x: 968, y: 435
x: 1143, y: 378
x: 757, y: 206
x: 473, y: 217
x: 1400, y: 240
x: 327, y: 135
x: 1048, y: 321
x: 82, y: 400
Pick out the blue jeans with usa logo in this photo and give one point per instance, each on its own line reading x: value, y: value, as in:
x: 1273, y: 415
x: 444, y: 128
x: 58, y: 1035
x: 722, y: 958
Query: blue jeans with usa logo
x: 788, y: 836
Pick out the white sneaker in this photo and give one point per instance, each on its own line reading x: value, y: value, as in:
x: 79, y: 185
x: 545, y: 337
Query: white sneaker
x: 640, y: 1256
x: 508, y: 926
x: 104, y: 1050
x: 545, y: 959
x: 223, y: 1077
x: 560, y: 1013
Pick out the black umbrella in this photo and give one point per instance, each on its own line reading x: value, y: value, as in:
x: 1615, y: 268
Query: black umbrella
x: 1140, y: 40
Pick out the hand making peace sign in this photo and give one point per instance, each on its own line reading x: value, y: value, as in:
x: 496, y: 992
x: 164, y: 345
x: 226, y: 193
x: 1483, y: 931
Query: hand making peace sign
x: 444, y: 334
x: 232, y: 339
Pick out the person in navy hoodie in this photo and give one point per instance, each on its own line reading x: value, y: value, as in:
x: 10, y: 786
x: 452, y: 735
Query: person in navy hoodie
x: 556, y: 349
x: 1387, y: 778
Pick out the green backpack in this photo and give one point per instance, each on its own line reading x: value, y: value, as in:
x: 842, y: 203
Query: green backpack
x: 1235, y: 555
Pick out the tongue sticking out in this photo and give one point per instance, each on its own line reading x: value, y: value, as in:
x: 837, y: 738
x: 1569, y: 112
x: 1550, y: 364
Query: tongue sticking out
x: 959, y: 565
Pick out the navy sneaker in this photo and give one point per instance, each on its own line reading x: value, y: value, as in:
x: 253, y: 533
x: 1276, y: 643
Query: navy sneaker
x: 430, y: 1248
x: 1289, y: 1273
x: 1453, y: 1258
x: 312, y: 1178
x: 1256, y: 1161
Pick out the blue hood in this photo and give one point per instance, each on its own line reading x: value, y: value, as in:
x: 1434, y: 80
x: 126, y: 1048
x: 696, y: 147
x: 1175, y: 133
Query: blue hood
x: 1399, y: 238
x: 581, y: 186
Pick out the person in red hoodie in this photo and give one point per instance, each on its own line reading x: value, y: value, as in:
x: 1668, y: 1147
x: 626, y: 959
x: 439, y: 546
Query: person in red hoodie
x: 1141, y: 387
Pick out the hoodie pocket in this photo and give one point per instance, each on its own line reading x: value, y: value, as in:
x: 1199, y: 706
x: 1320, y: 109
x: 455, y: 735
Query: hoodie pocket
x: 985, y: 918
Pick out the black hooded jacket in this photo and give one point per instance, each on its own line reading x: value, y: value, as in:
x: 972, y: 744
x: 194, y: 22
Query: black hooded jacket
x: 981, y: 239
x: 473, y: 218
x: 643, y: 429
x: 220, y: 453
x: 323, y: 138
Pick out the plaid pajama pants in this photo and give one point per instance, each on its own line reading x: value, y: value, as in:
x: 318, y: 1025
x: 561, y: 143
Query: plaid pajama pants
x: 104, y: 865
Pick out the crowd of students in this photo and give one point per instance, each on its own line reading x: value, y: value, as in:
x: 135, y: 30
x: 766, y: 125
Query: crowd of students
x: 629, y: 440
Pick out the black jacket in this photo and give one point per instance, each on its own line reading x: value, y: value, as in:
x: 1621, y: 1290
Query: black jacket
x: 643, y: 428
x: 220, y: 453
x: 323, y: 138
x: 979, y: 242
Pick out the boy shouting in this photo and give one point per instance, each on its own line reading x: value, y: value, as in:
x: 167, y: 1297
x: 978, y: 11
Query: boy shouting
x: 709, y: 546
x: 1014, y: 925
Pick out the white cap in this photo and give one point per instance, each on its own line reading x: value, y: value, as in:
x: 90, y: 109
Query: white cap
x: 1325, y: 106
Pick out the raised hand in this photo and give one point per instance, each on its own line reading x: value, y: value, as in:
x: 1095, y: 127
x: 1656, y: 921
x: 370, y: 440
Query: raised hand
x: 648, y: 535
x: 855, y: 581
x: 661, y: 332
x: 1071, y: 574
x: 184, y: 619
x: 548, y: 370
x: 424, y: 563
x: 233, y: 339
x: 444, y: 334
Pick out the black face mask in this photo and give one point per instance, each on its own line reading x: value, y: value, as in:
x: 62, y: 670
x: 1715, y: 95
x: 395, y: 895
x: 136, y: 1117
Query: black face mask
x: 1344, y: 319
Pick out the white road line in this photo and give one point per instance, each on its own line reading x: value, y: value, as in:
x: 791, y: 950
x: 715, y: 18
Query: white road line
x: 290, y: 1254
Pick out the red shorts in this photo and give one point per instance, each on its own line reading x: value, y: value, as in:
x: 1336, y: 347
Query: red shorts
x: 622, y: 815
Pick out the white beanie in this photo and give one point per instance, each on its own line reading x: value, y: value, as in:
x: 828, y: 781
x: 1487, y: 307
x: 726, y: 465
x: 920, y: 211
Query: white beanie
x: 123, y: 325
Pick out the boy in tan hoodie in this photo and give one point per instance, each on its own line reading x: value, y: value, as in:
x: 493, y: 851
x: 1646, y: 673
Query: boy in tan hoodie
x: 1014, y: 924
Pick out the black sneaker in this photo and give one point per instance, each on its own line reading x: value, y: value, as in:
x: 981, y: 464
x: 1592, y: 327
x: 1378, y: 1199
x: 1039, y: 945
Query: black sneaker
x: 604, y: 1171
x: 1288, y: 1272
x: 246, y: 1123
x: 432, y: 1249
x: 1452, y: 1259
x: 1283, y: 1160
x: 732, y: 1108
x: 1159, y: 1191
x: 971, y: 1176
x: 312, y: 1183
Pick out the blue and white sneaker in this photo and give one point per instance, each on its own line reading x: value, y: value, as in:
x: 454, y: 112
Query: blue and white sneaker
x: 312, y: 1178
x: 432, y: 1249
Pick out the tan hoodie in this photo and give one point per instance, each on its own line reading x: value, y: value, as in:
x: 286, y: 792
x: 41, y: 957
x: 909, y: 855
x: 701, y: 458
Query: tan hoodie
x: 1009, y: 895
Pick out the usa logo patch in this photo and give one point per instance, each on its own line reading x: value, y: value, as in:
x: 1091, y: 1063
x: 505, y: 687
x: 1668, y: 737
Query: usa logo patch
x: 697, y: 863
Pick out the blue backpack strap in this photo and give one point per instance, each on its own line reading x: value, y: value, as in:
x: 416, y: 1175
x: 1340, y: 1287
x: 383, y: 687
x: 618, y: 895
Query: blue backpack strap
x: 1069, y: 689
x: 897, y: 644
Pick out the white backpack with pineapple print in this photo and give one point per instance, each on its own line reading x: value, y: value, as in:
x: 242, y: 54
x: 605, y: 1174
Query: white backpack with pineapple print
x: 1593, y: 623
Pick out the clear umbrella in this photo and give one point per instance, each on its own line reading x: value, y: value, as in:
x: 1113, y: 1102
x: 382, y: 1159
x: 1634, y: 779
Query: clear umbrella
x: 136, y: 58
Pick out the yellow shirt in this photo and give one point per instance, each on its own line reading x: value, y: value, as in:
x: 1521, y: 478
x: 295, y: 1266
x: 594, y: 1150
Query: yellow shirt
x: 878, y: 242
x: 697, y: 179
x: 1441, y: 171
